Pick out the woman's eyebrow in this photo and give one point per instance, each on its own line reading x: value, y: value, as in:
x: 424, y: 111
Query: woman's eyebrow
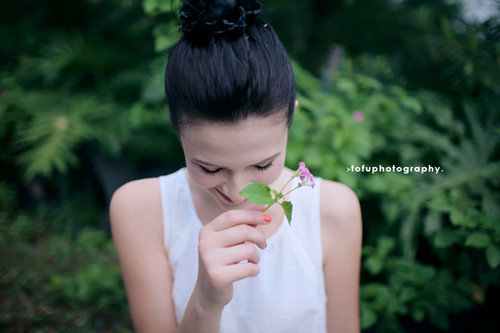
x: 212, y: 165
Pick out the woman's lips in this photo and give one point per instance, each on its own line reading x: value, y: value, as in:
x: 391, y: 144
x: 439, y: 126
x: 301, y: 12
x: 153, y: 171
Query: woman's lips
x: 224, y: 197
x: 229, y: 201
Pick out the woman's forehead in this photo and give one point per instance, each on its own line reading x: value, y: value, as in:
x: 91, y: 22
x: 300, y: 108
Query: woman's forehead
x: 249, y: 129
x: 255, y: 135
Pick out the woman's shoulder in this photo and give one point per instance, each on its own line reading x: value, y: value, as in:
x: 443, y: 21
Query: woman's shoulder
x: 139, y: 202
x: 138, y: 190
x: 340, y: 213
x: 337, y: 199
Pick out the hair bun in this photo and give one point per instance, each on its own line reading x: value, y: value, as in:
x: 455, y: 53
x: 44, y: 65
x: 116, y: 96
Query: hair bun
x: 217, y: 16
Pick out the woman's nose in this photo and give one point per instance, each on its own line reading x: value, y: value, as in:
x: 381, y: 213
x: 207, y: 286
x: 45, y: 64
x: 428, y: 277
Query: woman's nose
x: 236, y: 186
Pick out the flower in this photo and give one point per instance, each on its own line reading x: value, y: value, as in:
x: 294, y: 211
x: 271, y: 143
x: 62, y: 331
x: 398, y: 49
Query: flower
x: 261, y: 194
x: 358, y: 116
x: 305, y: 175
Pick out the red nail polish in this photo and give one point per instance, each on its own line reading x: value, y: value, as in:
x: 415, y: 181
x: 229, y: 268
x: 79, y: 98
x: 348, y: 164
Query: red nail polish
x: 267, y: 218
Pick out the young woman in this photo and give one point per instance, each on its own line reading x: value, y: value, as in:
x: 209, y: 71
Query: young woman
x: 195, y: 255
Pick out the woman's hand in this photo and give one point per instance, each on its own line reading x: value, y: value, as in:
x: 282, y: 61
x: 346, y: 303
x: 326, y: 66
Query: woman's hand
x: 221, y: 247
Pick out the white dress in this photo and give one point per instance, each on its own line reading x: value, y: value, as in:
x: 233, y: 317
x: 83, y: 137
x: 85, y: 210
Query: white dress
x: 288, y: 295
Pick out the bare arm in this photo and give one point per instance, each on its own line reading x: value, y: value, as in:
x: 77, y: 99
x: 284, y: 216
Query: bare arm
x: 136, y: 228
x: 200, y: 317
x: 342, y: 268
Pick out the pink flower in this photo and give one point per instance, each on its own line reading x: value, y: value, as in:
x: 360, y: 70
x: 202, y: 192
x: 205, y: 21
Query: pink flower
x: 358, y: 116
x: 305, y: 175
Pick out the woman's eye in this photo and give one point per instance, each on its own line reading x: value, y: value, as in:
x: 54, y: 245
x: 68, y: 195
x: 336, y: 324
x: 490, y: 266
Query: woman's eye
x: 209, y: 171
x: 215, y: 171
x: 264, y: 167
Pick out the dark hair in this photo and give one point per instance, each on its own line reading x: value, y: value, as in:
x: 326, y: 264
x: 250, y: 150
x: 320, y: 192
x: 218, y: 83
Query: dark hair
x: 227, y: 67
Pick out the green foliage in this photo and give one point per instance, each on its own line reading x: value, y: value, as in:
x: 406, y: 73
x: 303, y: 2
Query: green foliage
x: 8, y: 197
x: 455, y: 210
x: 46, y: 143
x: 413, y: 289
x: 156, y: 7
x: 65, y: 282
x: 166, y: 35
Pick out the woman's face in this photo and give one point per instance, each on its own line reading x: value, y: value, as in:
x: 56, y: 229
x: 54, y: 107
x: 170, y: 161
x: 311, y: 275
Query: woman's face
x: 222, y: 159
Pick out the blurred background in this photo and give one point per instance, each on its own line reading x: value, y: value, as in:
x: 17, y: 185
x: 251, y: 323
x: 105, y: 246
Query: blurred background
x: 380, y: 82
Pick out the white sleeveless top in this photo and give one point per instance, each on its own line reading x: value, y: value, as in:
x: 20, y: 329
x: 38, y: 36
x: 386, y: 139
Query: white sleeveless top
x: 288, y: 295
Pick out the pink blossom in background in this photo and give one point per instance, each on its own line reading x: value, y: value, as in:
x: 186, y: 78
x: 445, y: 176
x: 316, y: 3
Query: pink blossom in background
x: 358, y: 116
x: 306, y: 175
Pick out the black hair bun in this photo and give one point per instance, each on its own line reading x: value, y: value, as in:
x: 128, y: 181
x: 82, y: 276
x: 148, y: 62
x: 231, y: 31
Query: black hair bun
x: 217, y: 16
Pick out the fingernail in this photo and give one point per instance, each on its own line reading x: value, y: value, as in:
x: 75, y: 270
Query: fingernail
x: 267, y: 218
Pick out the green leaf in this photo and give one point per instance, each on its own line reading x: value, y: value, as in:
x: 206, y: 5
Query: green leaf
x: 385, y: 244
x: 493, y: 256
x: 491, y: 170
x: 258, y: 193
x: 156, y: 7
x: 440, y: 204
x: 478, y: 239
x: 458, y: 218
x: 445, y: 238
x: 287, y: 207
x: 166, y: 35
x: 276, y: 194
x: 368, y: 317
x: 417, y: 315
x: 374, y: 265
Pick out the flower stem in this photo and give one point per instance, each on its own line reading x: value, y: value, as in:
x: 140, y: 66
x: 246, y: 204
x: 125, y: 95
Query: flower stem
x: 291, y: 191
x: 283, y: 197
x: 286, y: 183
x: 268, y: 206
x: 280, y: 192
